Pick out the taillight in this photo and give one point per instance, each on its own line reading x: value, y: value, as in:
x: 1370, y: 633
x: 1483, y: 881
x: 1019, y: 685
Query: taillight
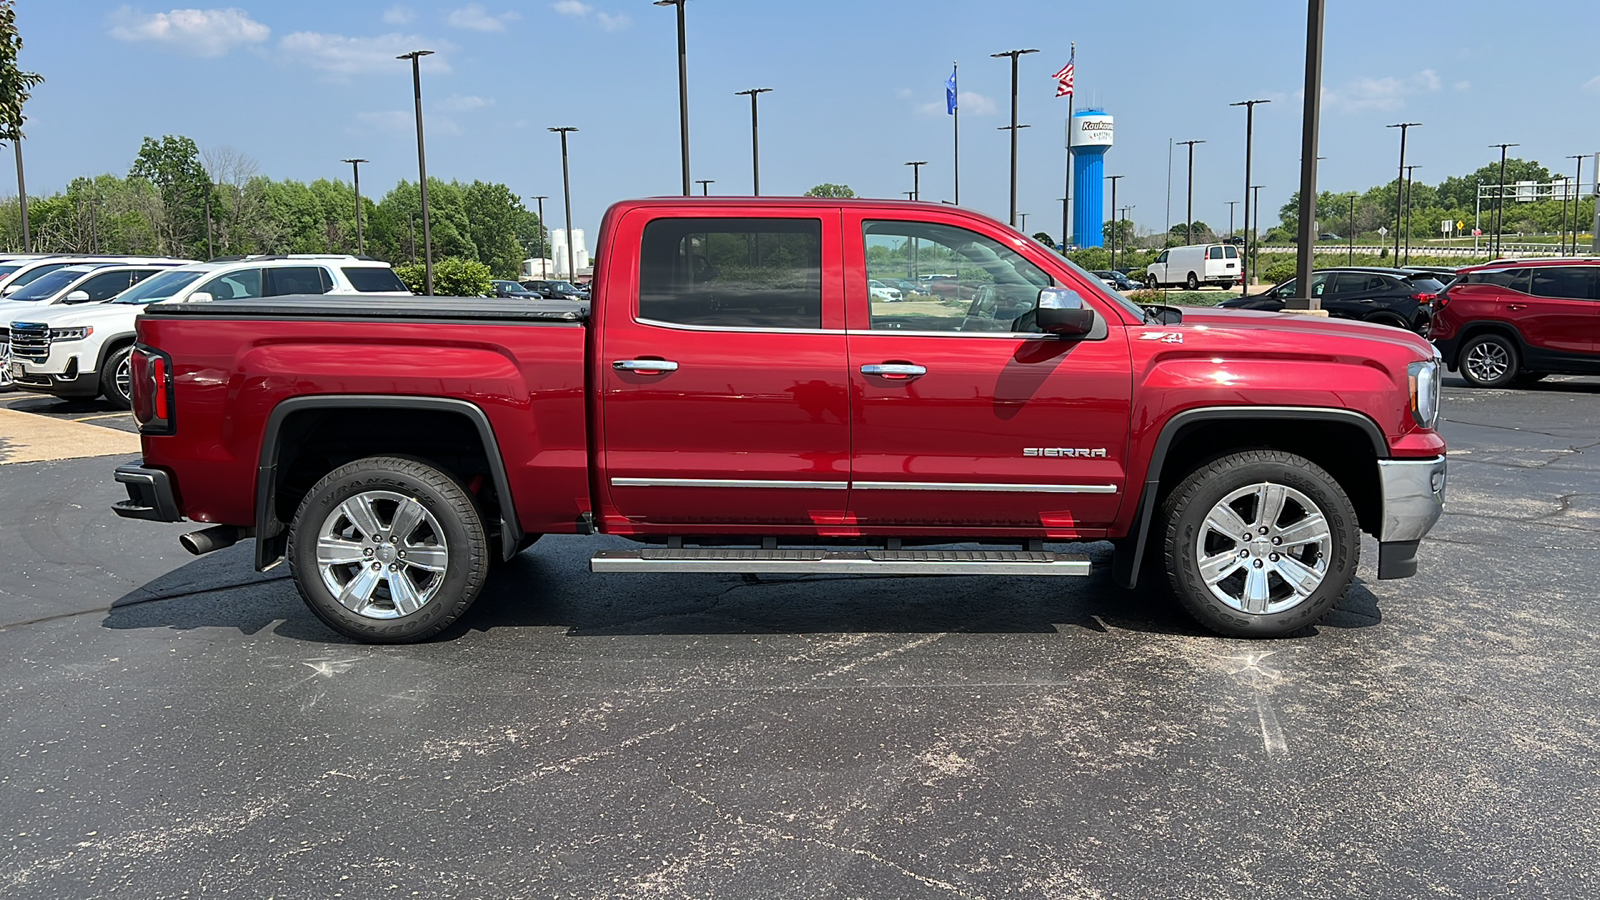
x: 1424, y: 299
x: 151, y: 373
x: 1442, y: 300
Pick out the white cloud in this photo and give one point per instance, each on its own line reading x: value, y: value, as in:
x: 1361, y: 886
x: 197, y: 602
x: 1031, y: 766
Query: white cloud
x: 340, y: 55
x: 465, y: 102
x: 1467, y: 85
x: 402, y: 122
x: 1593, y: 85
x: 1386, y: 94
x: 970, y: 102
x: 399, y: 15
x: 474, y: 17
x: 198, y: 32
x: 579, y: 10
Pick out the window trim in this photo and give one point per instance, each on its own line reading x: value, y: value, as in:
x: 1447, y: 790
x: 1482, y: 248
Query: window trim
x: 870, y: 219
x: 636, y: 311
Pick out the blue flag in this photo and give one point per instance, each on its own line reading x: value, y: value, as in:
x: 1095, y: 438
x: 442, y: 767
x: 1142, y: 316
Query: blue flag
x: 950, y: 94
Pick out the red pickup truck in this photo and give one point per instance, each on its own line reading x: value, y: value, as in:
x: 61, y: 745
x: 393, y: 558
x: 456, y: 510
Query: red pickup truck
x: 736, y: 400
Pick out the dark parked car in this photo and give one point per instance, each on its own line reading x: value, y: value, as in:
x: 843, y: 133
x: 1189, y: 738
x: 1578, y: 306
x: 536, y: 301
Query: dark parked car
x: 1513, y: 322
x: 1118, y: 280
x: 1399, y: 297
x: 556, y: 290
x: 514, y: 290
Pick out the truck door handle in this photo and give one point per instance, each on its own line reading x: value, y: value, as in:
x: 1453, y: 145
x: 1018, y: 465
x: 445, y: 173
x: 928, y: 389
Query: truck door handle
x: 1515, y: 306
x: 645, y: 366
x: 895, y: 371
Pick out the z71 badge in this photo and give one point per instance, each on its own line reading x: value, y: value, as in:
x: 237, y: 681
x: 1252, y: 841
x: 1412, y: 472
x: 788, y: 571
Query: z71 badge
x: 1165, y: 337
x: 1082, y: 453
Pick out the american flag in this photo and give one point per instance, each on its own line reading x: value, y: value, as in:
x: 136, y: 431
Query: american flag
x: 1064, y: 78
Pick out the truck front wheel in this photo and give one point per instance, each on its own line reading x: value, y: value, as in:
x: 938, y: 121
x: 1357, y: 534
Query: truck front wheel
x: 388, y: 550
x: 1260, y: 543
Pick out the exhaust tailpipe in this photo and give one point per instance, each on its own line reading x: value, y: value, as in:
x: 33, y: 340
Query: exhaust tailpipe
x: 217, y: 537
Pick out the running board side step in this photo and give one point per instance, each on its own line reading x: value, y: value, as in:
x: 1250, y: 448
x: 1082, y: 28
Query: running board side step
x: 807, y: 561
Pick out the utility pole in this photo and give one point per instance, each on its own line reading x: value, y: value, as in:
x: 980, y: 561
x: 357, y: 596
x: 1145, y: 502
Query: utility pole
x: 683, y: 90
x: 1024, y: 217
x: 1311, y: 122
x: 1500, y: 205
x: 543, y: 272
x: 755, y: 136
x: 355, y: 166
x: 210, y: 253
x: 916, y: 178
x: 1350, y: 259
x: 1188, y: 216
x: 1399, y: 184
x: 22, y: 196
x: 1013, y: 54
x: 1577, y: 193
x: 1114, y: 235
x: 1249, y: 147
x: 1231, y: 205
x: 1409, y: 170
x: 422, y: 167
x: 705, y: 185
x: 566, y: 190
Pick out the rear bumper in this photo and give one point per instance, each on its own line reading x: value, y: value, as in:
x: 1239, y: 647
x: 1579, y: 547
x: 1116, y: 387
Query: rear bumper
x: 150, y: 494
x: 1413, y: 500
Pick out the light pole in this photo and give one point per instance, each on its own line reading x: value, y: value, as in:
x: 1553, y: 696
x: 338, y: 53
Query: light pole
x: 916, y: 178
x: 1114, y: 179
x: 1577, y: 185
x: 1409, y: 170
x: 543, y: 273
x: 1254, y: 226
x: 1311, y: 121
x: 1231, y: 205
x: 22, y: 196
x: 422, y: 166
x: 1013, y: 54
x: 755, y: 137
x: 1188, y: 216
x: 683, y: 89
x: 566, y: 190
x: 1500, y: 204
x: 1249, y: 147
x: 1350, y: 260
x: 355, y: 167
x: 210, y: 253
x: 1399, y: 183
x: 705, y: 185
x: 1024, y: 218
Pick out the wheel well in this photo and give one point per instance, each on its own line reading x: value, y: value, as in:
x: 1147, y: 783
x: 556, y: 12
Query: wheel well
x: 1477, y: 328
x: 111, y: 347
x: 1344, y: 450
x: 313, y: 442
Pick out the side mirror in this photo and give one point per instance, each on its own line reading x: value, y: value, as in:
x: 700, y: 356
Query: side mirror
x: 199, y: 297
x: 9, y: 290
x: 76, y: 297
x: 1063, y: 312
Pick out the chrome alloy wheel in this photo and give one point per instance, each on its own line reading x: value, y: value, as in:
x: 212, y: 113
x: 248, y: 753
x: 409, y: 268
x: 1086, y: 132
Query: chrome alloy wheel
x: 381, y: 554
x: 1264, y: 549
x: 124, y: 378
x: 5, y: 364
x: 1487, y: 362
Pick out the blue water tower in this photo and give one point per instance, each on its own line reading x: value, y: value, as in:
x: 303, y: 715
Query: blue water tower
x: 1091, y: 138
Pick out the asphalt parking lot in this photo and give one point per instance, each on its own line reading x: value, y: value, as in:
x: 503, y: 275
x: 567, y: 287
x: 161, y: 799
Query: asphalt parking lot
x: 178, y: 726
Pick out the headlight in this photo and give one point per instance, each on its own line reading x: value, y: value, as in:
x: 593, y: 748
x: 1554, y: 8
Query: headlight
x: 71, y: 334
x: 1424, y: 378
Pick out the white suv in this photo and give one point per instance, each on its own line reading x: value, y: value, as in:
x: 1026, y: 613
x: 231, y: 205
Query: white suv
x: 81, y: 352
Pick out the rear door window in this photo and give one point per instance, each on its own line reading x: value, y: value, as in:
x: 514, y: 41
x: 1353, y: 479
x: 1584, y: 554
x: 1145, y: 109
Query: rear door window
x: 241, y: 284
x: 1230, y: 252
x: 374, y: 279
x: 1509, y: 279
x: 1214, y: 253
x: 1565, y: 282
x: 732, y: 273
x: 297, y: 280
x: 105, y: 285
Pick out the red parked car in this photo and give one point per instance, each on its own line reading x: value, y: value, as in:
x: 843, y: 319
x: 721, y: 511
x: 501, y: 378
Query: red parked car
x: 734, y: 400
x: 1515, y: 321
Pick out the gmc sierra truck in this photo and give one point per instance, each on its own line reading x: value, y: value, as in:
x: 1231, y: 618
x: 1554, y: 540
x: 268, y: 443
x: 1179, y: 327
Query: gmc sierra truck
x: 736, y: 400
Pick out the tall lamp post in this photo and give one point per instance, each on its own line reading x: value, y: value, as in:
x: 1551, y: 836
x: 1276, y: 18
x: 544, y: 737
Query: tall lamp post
x: 1500, y: 204
x: 683, y: 89
x: 1013, y: 54
x: 1249, y: 147
x: 1399, y: 184
x: 705, y: 185
x: 1577, y: 185
x: 355, y: 167
x: 755, y: 137
x: 1114, y: 179
x: 422, y: 166
x: 916, y: 178
x: 1188, y: 216
x: 210, y: 253
x: 1350, y: 259
x: 22, y: 197
x: 1311, y: 123
x: 1253, y: 226
x: 540, y: 200
x: 1231, y: 205
x: 566, y: 191
x: 1409, y: 170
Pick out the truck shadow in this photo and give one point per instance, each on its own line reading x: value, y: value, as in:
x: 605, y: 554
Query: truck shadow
x: 549, y: 587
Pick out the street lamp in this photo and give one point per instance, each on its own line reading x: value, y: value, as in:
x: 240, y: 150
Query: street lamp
x: 1577, y: 183
x: 1231, y: 205
x: 1013, y: 54
x: 755, y: 137
x: 1399, y: 183
x: 683, y: 88
x: 1024, y: 217
x: 1409, y: 170
x: 1188, y: 216
x: 916, y: 178
x: 1311, y: 122
x: 22, y: 196
x: 1249, y: 146
x: 1253, y: 226
x: 566, y: 190
x: 705, y: 185
x: 543, y: 272
x: 422, y: 167
x: 1500, y: 205
x: 355, y: 166
x: 1114, y: 179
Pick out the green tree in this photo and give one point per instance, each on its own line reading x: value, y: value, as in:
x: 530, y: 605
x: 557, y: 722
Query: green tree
x: 1119, y: 233
x: 1461, y: 192
x: 15, y: 84
x: 838, y: 191
x: 172, y: 166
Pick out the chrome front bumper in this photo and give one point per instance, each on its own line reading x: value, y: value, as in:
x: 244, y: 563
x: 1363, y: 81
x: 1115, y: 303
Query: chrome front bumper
x: 1413, y: 500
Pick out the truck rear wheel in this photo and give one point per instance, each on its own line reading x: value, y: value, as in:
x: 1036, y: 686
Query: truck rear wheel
x: 1261, y: 543
x: 388, y: 550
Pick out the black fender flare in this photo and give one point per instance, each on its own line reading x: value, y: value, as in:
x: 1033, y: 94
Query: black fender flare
x: 1130, y: 549
x: 270, y: 538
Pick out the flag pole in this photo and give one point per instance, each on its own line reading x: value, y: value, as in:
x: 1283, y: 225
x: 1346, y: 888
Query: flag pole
x: 955, y: 111
x: 1066, y: 196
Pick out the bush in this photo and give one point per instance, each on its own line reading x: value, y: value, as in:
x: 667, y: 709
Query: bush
x: 1091, y: 258
x: 452, y: 277
x: 1280, y: 271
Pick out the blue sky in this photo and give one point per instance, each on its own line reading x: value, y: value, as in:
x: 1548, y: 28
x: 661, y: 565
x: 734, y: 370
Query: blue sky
x: 858, y: 90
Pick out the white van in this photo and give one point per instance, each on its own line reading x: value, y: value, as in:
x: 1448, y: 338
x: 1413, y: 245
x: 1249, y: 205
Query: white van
x: 1195, y: 265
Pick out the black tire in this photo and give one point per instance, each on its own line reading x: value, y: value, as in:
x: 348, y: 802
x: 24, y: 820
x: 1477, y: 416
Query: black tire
x: 1192, y: 283
x: 459, y: 533
x: 1151, y: 282
x: 1392, y: 321
x: 1489, y: 360
x: 1189, y: 534
x: 118, y: 390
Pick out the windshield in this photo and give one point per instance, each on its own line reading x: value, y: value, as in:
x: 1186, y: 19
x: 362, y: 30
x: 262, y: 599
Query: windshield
x: 46, y: 287
x: 7, y: 270
x: 161, y: 286
x: 1107, y: 289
